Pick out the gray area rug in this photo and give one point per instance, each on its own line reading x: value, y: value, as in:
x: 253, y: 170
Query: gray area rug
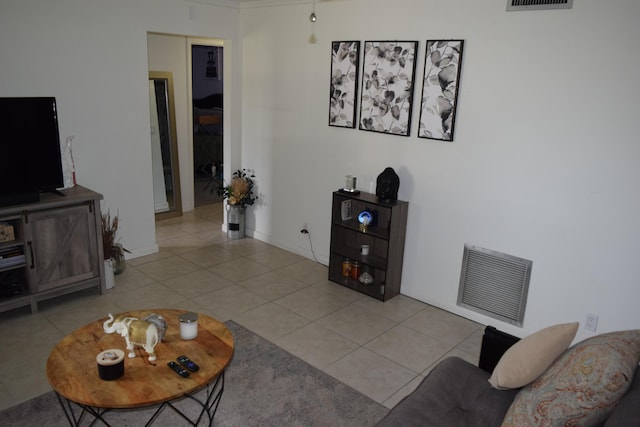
x: 264, y: 386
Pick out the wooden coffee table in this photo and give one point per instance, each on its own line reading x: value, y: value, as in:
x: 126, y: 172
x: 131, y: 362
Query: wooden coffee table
x: 72, y: 369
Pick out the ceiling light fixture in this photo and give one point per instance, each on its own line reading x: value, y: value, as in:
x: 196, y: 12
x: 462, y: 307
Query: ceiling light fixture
x: 313, y: 17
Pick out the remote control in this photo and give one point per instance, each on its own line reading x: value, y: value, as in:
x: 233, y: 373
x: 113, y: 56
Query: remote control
x: 188, y: 363
x: 179, y: 369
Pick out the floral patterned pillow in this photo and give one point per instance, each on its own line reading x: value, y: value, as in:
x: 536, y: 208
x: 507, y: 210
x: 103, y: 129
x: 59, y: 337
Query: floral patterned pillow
x: 582, y: 386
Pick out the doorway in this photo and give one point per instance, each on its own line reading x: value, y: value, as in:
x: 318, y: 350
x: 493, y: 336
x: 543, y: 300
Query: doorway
x: 172, y: 53
x: 207, y: 102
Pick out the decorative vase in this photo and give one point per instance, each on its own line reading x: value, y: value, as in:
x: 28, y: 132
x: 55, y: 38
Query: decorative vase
x: 235, y: 221
x: 108, y: 274
x: 117, y: 259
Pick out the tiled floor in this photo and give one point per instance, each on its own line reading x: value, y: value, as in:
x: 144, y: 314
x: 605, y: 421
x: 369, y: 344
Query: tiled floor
x: 381, y: 349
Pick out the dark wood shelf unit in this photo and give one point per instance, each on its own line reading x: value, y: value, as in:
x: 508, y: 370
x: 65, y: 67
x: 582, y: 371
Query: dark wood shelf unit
x: 58, y: 242
x: 385, y: 237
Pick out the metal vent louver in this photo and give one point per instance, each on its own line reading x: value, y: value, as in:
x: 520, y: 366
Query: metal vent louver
x: 538, y: 4
x: 494, y: 284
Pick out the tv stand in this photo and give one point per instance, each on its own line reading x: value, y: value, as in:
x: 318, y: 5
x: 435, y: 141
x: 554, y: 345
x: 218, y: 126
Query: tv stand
x: 50, y: 248
x: 19, y: 199
x: 56, y: 192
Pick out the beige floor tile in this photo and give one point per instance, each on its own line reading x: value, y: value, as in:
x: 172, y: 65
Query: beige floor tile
x: 271, y: 321
x: 443, y: 325
x: 212, y: 212
x: 272, y: 285
x: 239, y: 269
x: 131, y: 278
x: 214, y: 236
x: 36, y: 358
x: 246, y: 246
x: 307, y: 271
x: 318, y: 301
x: 193, y: 225
x: 275, y: 258
x: 316, y: 345
x: 161, y: 254
x: 473, y: 343
x: 148, y: 297
x: 194, y: 284
x: 20, y: 331
x: 371, y: 374
x: 232, y: 299
x: 209, y: 256
x: 167, y: 231
x: 185, y: 243
x: 221, y: 314
x: 168, y: 268
x: 398, y: 308
x: 409, y: 348
x: 356, y: 323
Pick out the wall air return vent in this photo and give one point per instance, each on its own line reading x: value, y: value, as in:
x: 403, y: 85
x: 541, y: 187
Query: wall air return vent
x: 513, y: 5
x: 494, y: 284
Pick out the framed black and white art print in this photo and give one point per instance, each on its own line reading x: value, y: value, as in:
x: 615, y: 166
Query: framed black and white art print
x: 440, y: 89
x: 387, y: 86
x: 345, y: 65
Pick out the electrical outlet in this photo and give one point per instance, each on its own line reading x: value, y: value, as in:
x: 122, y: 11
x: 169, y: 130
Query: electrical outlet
x: 592, y: 322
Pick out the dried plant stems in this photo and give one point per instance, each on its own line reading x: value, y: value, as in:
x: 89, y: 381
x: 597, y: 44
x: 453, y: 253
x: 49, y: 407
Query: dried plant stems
x: 109, y: 230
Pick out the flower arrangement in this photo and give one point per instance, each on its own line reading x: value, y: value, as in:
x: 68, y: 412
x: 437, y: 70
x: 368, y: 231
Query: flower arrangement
x: 240, y: 191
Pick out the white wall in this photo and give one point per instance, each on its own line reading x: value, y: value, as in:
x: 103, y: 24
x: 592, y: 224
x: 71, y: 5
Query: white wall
x: 544, y: 163
x: 92, y: 56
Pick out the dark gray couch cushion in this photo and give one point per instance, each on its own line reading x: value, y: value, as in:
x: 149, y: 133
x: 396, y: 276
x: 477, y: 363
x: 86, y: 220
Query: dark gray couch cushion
x: 627, y: 412
x: 454, y: 394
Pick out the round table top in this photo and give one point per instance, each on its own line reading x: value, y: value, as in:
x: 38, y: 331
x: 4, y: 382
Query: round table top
x: 72, y: 369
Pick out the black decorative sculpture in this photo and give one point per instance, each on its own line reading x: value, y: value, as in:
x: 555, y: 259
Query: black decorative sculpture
x: 387, y: 186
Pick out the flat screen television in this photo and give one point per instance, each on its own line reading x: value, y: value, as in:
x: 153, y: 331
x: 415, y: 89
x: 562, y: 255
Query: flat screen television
x: 30, y: 161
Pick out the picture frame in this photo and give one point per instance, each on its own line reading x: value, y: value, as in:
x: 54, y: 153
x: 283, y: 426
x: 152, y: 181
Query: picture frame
x: 388, y: 74
x: 345, y: 66
x: 442, y: 66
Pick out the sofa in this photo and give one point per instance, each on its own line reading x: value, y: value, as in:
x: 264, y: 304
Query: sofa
x: 593, y: 383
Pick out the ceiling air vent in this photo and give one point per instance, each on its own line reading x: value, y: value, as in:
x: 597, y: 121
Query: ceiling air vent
x: 538, y: 4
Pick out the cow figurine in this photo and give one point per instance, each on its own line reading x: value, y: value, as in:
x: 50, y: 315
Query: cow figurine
x: 135, y: 332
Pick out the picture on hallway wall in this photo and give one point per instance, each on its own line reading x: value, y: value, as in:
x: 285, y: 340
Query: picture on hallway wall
x: 387, y: 86
x: 345, y: 65
x: 440, y: 89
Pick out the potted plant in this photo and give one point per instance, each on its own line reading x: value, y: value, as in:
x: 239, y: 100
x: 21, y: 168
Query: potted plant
x: 238, y: 194
x: 113, y: 252
x: 109, y: 230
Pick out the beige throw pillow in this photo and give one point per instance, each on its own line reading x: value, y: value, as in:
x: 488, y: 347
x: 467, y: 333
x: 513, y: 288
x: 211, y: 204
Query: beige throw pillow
x: 527, y: 359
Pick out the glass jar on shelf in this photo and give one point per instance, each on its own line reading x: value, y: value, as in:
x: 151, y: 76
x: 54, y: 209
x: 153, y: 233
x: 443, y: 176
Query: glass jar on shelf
x: 366, y: 275
x: 355, y: 270
x: 346, y: 267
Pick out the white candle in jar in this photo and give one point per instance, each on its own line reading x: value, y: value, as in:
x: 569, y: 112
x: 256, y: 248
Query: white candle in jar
x: 188, y: 326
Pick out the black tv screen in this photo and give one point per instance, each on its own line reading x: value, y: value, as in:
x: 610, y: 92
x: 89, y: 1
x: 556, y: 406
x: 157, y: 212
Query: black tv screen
x: 30, y: 160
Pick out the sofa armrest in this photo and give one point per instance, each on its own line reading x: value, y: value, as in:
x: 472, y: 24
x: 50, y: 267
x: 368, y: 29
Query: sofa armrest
x: 455, y: 393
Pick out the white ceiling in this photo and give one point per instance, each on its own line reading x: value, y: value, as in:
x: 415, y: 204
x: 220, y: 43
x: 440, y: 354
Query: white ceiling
x: 252, y: 3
